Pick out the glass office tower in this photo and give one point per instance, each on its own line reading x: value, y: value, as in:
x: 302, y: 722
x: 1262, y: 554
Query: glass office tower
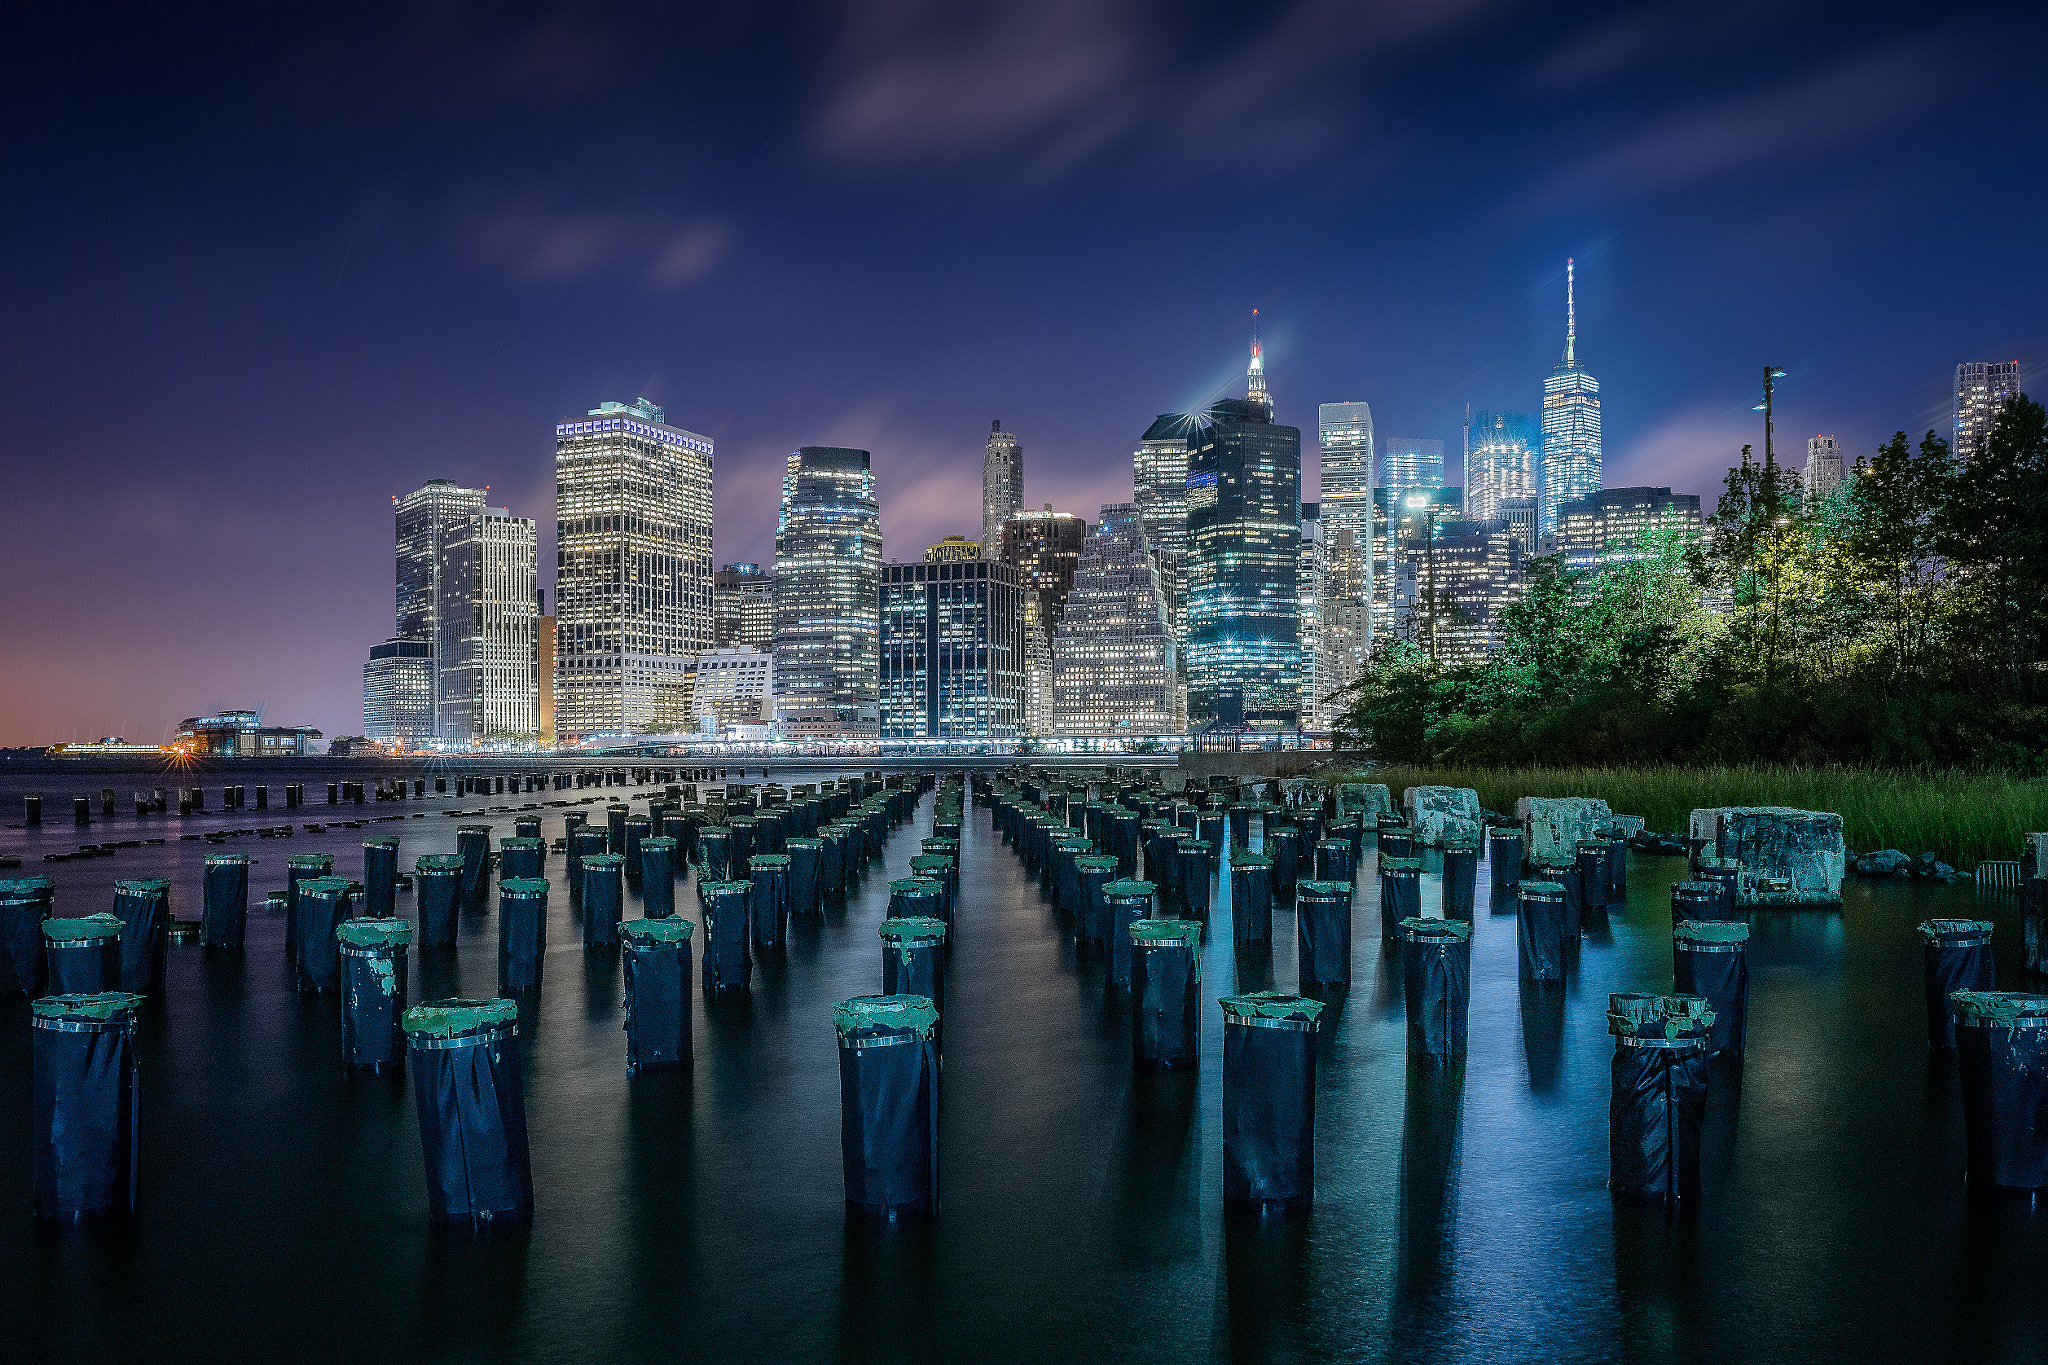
x: 952, y: 651
x: 484, y: 680
x: 426, y: 520
x: 1115, y: 667
x: 633, y: 569
x: 1244, y: 553
x: 1571, y: 424
x: 1411, y: 462
x: 1502, y: 450
x: 828, y: 581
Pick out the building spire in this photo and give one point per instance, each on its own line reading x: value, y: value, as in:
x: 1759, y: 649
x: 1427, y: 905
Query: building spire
x: 1256, y: 389
x: 1571, y: 318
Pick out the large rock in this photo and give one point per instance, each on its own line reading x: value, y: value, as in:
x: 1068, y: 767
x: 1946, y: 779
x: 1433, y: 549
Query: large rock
x: 1622, y: 827
x: 1553, y: 825
x: 1369, y: 799
x: 1782, y: 856
x: 1442, y: 815
x: 2035, y: 864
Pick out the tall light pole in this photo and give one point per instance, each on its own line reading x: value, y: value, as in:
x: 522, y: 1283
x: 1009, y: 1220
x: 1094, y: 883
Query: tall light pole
x: 1426, y: 504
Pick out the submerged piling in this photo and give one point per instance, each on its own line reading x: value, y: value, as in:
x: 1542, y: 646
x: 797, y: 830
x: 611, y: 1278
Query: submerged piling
x: 1659, y: 1095
x: 1956, y: 957
x: 143, y: 906
x: 1436, y: 982
x: 24, y: 905
x: 2002, y: 1054
x: 1269, y: 1101
x: 523, y: 933
x: 224, y: 918
x: 373, y: 987
x: 604, y: 898
x: 1710, y: 959
x: 85, y: 1106
x: 658, y: 878
x: 1166, y: 971
x: 437, y: 885
x: 657, y: 966
x: 324, y: 902
x: 1322, y: 923
x: 82, y: 956
x: 472, y: 1112
x: 380, y: 877
x: 728, y: 961
x: 1540, y: 930
x: 914, y: 958
x: 889, y: 1105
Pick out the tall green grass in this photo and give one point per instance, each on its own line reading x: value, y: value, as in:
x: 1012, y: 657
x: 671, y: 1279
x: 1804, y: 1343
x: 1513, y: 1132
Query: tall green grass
x: 1962, y: 818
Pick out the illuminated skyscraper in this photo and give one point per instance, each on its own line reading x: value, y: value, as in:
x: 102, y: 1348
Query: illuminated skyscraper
x: 486, y: 653
x: 1410, y: 462
x: 952, y: 651
x: 398, y: 694
x: 426, y: 520
x: 1344, y: 433
x: 828, y: 581
x: 1002, y: 486
x: 633, y: 604
x: 1312, y: 596
x: 1255, y: 377
x: 1114, y: 660
x: 1159, y: 488
x: 1571, y: 424
x: 1044, y: 548
x: 1466, y: 576
x: 1825, y: 469
x: 951, y: 550
x: 1502, y: 451
x: 1981, y: 390
x: 1608, y: 527
x: 743, y: 599
x: 1244, y: 564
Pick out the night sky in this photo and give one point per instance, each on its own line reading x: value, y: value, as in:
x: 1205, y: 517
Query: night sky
x: 267, y: 266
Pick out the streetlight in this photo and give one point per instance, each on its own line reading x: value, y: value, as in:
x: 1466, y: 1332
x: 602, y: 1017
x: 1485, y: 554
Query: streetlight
x: 1422, y: 502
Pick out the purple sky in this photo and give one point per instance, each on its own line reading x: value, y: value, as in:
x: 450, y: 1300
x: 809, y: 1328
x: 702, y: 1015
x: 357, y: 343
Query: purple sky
x: 263, y: 271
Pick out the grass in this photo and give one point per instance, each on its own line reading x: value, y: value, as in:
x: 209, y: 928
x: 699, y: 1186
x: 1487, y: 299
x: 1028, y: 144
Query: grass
x: 1963, y: 818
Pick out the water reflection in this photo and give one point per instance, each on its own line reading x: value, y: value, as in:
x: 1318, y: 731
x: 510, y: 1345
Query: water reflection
x: 1543, y: 1032
x: 1151, y: 1214
x: 471, y: 1290
x: 1431, y: 1150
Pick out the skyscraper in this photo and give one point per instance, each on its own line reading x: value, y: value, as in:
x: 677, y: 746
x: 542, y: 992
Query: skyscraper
x: 1244, y: 553
x: 1344, y: 433
x: 828, y: 581
x: 1114, y: 664
x: 1411, y: 462
x: 1571, y: 423
x: 1159, y: 489
x: 425, y: 520
x: 398, y: 694
x: 1609, y: 526
x: 633, y: 569
x: 743, y: 600
x: 486, y: 652
x: 1002, y: 486
x: 1044, y: 548
x: 952, y: 651
x: 1981, y: 390
x: 1311, y: 598
x: 951, y: 550
x: 1457, y: 580
x: 1400, y: 521
x: 1502, y: 450
x: 1825, y: 469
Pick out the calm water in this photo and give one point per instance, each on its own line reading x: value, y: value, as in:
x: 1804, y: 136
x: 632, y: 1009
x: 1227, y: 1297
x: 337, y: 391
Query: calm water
x: 1459, y: 1217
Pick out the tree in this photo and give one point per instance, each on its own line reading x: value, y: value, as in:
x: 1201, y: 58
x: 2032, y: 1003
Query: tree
x: 1991, y: 528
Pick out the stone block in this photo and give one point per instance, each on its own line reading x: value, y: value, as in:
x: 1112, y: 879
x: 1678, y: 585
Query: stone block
x: 1369, y: 799
x: 1441, y: 815
x: 1782, y: 856
x: 1553, y: 825
x: 2035, y: 864
x: 1622, y: 827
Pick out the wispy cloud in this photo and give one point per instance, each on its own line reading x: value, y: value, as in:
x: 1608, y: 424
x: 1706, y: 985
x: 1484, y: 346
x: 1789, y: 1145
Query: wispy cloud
x: 1051, y: 83
x: 1816, y: 113
x: 537, y: 240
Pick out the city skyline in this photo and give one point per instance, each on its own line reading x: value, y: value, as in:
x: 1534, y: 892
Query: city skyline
x: 457, y: 239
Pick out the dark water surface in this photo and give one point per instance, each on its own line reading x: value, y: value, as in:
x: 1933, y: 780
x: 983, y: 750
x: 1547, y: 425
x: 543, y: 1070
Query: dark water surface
x: 1460, y: 1216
